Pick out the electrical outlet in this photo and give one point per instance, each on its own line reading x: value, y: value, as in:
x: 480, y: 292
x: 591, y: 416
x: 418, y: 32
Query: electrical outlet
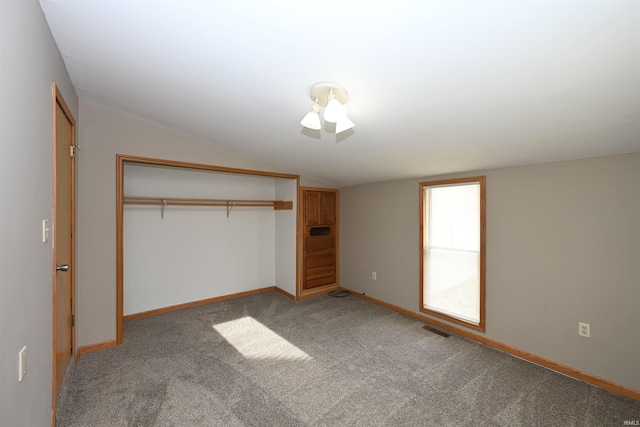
x: 374, y: 275
x: 22, y: 363
x: 584, y: 330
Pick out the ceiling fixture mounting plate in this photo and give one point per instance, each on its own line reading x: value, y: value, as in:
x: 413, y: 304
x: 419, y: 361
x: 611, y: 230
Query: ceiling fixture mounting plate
x: 321, y: 91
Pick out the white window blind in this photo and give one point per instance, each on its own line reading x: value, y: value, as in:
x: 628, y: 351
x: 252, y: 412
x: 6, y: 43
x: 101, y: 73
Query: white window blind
x: 451, y: 282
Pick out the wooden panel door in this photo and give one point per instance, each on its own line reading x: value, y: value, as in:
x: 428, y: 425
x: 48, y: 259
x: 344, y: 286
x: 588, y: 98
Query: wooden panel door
x: 63, y: 235
x: 320, y: 238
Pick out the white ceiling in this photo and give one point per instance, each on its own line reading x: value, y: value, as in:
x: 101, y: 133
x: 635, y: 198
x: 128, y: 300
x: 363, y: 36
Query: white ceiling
x: 435, y: 86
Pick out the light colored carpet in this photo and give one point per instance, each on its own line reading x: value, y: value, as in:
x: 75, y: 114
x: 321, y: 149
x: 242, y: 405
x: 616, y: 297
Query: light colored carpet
x: 265, y: 360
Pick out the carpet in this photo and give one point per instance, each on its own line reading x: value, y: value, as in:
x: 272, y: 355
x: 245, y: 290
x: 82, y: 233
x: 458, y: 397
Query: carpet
x: 264, y: 360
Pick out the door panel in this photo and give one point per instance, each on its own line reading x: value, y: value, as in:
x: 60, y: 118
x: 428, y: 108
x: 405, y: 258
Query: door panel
x: 63, y: 243
x: 316, y: 273
x: 321, y: 260
x: 329, y: 280
x: 320, y: 242
x: 327, y: 208
x: 311, y: 207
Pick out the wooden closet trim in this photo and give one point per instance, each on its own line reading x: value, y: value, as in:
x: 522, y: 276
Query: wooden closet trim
x: 121, y: 160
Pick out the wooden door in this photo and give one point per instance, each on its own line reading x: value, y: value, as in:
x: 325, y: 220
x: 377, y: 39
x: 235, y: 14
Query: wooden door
x: 320, y: 260
x: 63, y: 238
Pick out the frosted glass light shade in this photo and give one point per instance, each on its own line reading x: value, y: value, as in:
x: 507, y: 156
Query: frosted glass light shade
x: 344, y: 124
x: 312, y: 119
x: 335, y: 110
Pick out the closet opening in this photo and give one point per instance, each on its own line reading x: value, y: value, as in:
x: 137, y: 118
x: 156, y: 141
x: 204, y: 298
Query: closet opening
x: 189, y: 234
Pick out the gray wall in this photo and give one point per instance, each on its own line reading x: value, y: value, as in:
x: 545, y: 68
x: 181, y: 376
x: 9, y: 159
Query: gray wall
x: 29, y: 63
x: 563, y: 246
x: 103, y: 133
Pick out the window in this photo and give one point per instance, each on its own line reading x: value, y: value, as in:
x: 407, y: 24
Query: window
x: 453, y: 250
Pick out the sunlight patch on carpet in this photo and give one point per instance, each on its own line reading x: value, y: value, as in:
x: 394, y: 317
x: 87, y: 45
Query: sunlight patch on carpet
x: 256, y: 341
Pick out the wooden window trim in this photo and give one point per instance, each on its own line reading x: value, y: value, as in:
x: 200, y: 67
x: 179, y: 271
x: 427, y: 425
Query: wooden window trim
x: 481, y: 326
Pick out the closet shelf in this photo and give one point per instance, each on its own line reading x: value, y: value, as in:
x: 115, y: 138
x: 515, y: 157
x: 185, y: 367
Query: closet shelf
x: 228, y: 203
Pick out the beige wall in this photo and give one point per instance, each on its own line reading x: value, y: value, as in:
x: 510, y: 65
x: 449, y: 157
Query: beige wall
x: 103, y: 133
x: 29, y: 61
x: 563, y: 245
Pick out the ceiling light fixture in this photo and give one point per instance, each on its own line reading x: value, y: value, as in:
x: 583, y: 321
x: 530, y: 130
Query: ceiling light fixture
x: 333, y: 97
x: 312, y: 119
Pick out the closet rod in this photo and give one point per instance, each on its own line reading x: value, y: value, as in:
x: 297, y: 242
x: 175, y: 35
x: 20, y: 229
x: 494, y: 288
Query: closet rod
x: 232, y: 202
x: 175, y: 201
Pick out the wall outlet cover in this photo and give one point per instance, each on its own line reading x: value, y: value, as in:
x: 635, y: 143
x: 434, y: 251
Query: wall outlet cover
x: 584, y: 330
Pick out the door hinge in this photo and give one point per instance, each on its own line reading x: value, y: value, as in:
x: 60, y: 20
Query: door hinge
x: 73, y: 320
x: 73, y: 149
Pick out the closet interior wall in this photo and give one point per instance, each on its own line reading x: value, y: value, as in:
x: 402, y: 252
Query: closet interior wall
x: 286, y: 236
x: 192, y: 253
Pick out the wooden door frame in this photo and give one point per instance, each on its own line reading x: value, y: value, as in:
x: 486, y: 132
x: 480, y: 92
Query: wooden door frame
x: 57, y: 99
x: 121, y: 160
